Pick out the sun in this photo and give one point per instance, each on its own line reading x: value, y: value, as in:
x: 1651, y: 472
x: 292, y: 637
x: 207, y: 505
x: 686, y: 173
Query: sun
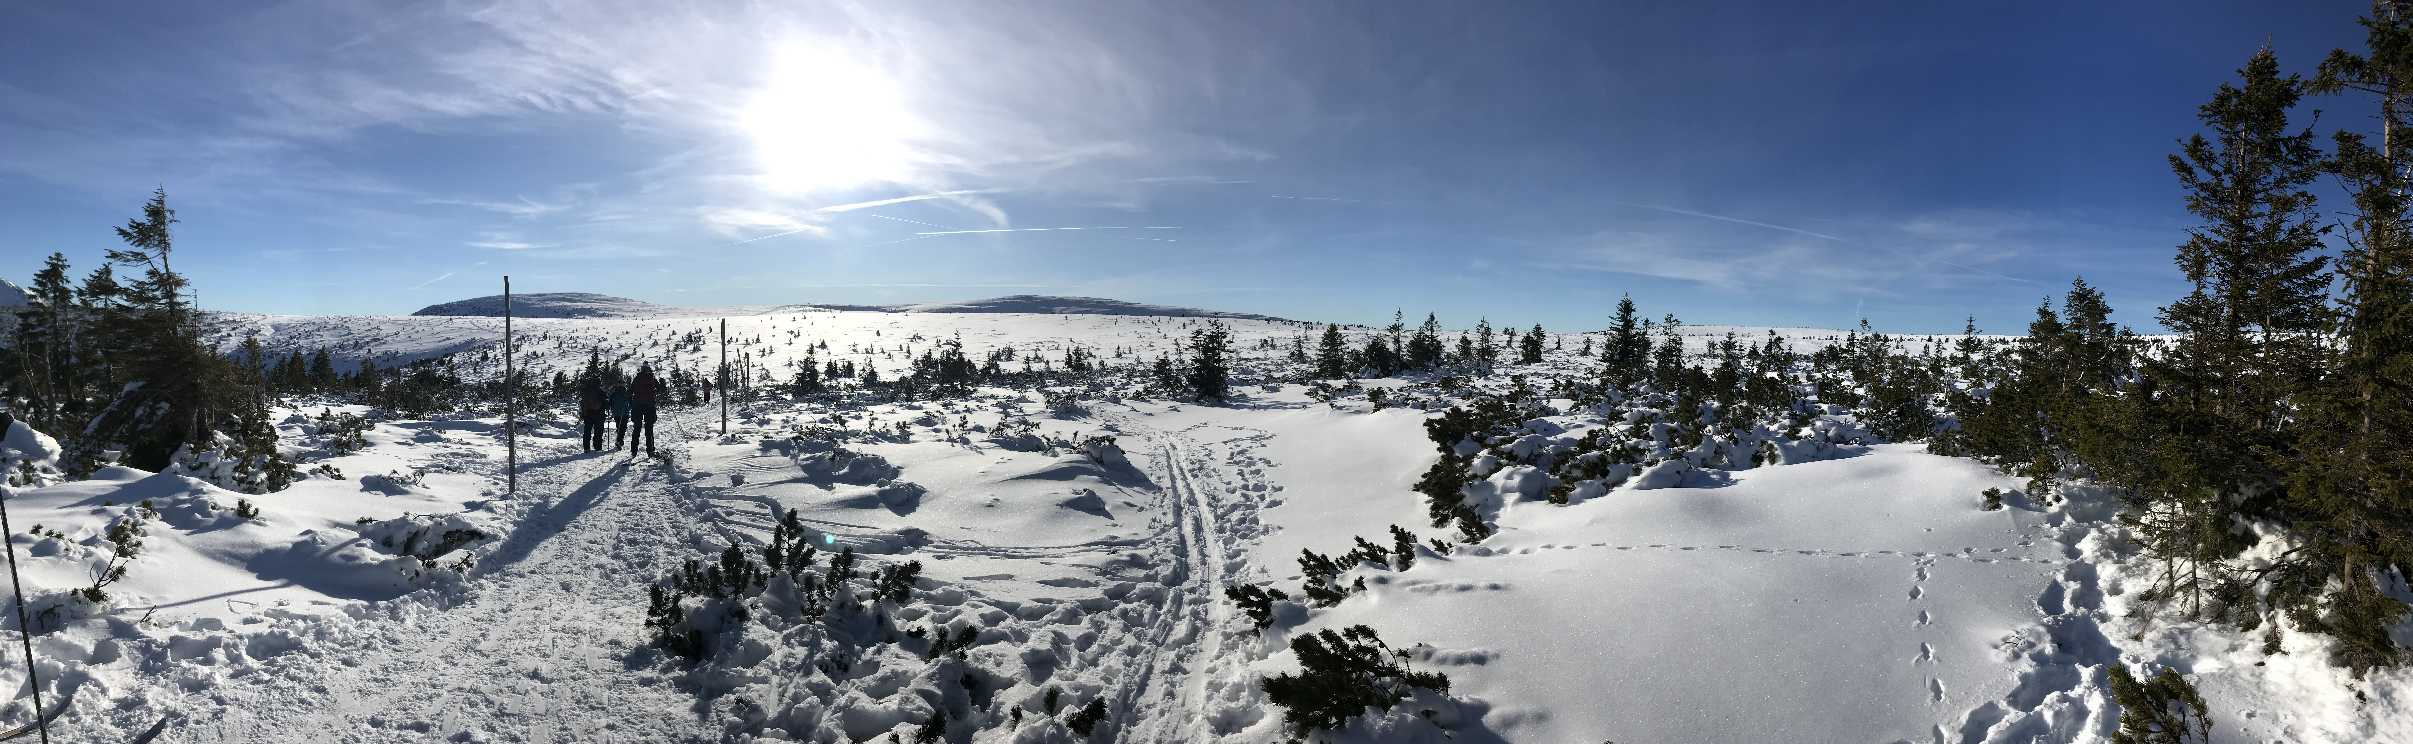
x: 827, y: 121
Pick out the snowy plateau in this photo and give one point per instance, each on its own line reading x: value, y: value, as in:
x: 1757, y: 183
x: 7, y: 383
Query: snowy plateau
x: 1057, y: 561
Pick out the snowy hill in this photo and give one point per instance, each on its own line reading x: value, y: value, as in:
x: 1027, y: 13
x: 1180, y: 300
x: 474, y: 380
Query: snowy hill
x: 12, y: 296
x: 549, y: 305
x: 1054, y: 305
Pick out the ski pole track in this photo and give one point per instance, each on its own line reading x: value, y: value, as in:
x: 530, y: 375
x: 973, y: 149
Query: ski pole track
x: 519, y: 657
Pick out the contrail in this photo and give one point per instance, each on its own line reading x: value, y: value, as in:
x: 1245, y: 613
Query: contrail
x: 1041, y: 229
x: 1735, y: 220
x: 908, y: 199
x: 423, y: 285
x: 807, y: 228
x: 904, y: 220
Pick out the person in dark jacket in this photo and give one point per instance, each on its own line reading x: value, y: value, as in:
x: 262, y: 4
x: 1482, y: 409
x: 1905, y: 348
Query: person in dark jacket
x: 590, y: 413
x: 641, y: 397
x: 619, y: 405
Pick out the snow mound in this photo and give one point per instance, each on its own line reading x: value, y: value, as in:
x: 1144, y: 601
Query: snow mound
x: 550, y: 305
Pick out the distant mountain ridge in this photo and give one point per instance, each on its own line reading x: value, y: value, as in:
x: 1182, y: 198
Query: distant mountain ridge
x: 592, y: 305
x: 549, y: 305
x: 1052, y: 305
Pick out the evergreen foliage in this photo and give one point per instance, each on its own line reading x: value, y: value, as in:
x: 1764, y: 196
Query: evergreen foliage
x: 1342, y: 675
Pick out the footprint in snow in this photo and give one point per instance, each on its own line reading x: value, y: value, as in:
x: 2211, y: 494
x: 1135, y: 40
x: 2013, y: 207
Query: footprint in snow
x: 1917, y: 592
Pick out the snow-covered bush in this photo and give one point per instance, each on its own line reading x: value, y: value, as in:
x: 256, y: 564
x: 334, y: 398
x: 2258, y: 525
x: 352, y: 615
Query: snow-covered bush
x: 1342, y: 675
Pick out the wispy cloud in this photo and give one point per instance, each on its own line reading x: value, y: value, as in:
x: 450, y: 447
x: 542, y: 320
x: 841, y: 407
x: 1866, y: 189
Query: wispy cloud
x: 737, y: 223
x: 1734, y: 220
x: 521, y: 207
x: 441, y: 277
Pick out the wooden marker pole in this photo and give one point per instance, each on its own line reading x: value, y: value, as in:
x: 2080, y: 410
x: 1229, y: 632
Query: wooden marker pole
x: 724, y: 377
x: 510, y: 396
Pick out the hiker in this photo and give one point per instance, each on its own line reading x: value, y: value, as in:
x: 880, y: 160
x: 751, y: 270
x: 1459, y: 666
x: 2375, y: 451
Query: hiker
x: 619, y: 404
x: 590, y: 413
x: 641, y: 402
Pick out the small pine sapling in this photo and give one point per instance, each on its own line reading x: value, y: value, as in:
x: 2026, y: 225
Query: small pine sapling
x: 1403, y: 548
x: 2162, y: 710
x: 1256, y: 600
x: 1085, y: 721
x: 1341, y: 675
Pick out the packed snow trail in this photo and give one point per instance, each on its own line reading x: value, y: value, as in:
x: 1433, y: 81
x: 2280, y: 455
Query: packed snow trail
x: 1174, y: 695
x: 536, y: 654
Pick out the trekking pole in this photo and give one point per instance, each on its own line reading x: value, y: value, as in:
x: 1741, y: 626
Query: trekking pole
x: 25, y: 629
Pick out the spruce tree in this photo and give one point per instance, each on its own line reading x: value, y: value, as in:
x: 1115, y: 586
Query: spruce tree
x: 1332, y: 354
x: 1485, y: 352
x: 1667, y: 356
x: 45, y: 348
x: 2350, y: 495
x: 1210, y: 368
x: 2248, y: 331
x: 1628, y: 351
x: 1529, y: 349
x: 1424, y: 350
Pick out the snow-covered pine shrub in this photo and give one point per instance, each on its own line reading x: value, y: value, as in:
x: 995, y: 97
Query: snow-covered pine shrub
x: 722, y: 589
x: 1255, y: 600
x: 342, y: 433
x: 1063, y: 403
x: 1322, y: 576
x: 1341, y: 675
x: 1367, y: 552
x: 125, y: 535
x: 894, y: 582
x: 1403, y: 548
x: 1085, y: 721
x: 2162, y: 710
x: 935, y: 729
x: 1993, y: 499
x: 246, y: 510
x: 1442, y: 486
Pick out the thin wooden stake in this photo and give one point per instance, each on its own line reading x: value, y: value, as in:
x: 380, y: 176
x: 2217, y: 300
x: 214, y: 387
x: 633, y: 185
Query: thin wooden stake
x: 510, y: 396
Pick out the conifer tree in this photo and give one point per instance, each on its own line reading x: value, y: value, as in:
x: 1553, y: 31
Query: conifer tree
x: 2248, y: 330
x: 1332, y: 354
x: 45, y: 347
x: 1529, y: 349
x: 1667, y: 356
x: 2350, y: 495
x: 1424, y: 350
x: 1627, y: 353
x: 1485, y: 352
x: 1210, y: 369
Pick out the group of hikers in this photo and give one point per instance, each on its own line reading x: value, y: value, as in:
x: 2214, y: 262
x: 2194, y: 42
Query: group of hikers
x: 628, y: 403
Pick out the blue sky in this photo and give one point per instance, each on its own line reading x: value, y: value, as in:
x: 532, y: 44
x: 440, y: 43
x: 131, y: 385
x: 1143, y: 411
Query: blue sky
x: 1785, y: 163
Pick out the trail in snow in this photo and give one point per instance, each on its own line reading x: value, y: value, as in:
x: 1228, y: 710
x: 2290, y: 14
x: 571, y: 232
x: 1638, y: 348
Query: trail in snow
x: 536, y: 655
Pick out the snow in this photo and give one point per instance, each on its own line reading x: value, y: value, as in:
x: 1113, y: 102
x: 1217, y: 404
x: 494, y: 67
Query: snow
x: 397, y: 593
x: 13, y: 296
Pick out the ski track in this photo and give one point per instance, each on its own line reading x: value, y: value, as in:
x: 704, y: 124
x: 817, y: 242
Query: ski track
x: 1169, y: 693
x: 534, y: 655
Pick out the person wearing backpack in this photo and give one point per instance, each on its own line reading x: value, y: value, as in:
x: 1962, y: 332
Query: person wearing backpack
x: 619, y: 405
x: 641, y: 396
x: 590, y: 413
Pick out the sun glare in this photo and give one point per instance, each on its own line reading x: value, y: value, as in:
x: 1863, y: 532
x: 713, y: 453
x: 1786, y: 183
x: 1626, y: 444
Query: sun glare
x: 825, y: 120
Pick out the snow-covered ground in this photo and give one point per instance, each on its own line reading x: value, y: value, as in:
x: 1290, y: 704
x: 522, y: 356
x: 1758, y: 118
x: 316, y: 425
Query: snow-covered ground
x: 400, y: 594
